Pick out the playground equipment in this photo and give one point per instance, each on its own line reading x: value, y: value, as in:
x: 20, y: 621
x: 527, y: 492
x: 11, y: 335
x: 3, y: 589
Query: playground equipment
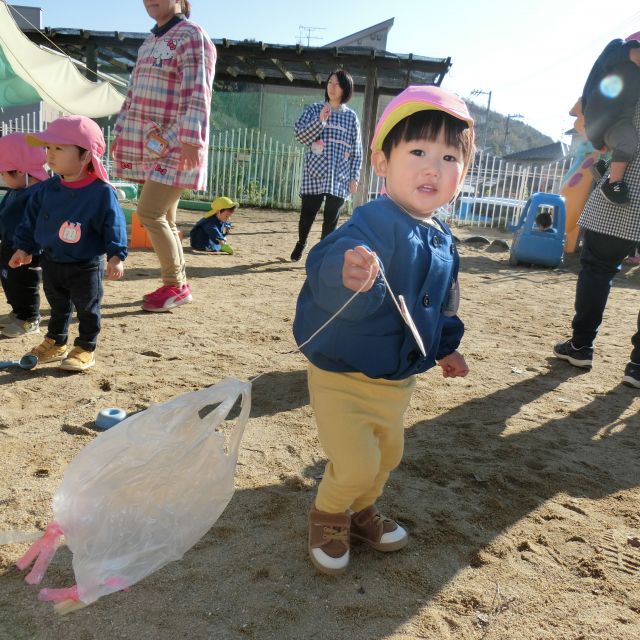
x: 578, y: 182
x: 532, y: 245
x: 26, y: 362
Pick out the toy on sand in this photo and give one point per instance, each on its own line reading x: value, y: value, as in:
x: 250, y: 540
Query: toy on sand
x: 533, y: 245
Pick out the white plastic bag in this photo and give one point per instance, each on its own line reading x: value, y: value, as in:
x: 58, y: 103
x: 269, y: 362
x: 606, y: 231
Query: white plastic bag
x: 144, y: 492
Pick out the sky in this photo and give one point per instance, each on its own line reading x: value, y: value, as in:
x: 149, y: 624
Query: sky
x: 533, y: 57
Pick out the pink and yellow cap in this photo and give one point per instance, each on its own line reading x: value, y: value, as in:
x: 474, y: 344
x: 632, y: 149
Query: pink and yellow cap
x: 418, y: 98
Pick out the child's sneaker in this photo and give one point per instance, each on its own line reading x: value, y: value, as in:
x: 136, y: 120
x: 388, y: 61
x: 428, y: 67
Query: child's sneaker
x: 78, y: 359
x: 49, y: 351
x: 6, y: 319
x: 582, y: 357
x: 167, y: 298
x: 19, y: 328
x: 380, y: 533
x: 632, y: 375
x: 598, y: 169
x: 329, y: 541
x: 158, y: 292
x: 615, y: 192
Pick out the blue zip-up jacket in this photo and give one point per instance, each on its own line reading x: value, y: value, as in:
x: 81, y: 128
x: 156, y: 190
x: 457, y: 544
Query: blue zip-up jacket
x: 369, y: 335
x: 12, y: 209
x: 208, y: 233
x: 73, y: 223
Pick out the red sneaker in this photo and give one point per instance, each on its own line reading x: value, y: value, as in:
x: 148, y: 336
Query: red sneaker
x: 157, y: 293
x: 167, y: 298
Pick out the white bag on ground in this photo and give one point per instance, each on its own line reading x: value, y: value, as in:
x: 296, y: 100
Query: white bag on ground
x: 144, y: 492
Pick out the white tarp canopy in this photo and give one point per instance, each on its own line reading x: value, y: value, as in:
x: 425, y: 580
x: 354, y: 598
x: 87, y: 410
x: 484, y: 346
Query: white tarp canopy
x: 54, y: 77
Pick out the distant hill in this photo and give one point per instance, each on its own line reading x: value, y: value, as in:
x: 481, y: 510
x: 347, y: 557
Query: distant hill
x: 521, y: 136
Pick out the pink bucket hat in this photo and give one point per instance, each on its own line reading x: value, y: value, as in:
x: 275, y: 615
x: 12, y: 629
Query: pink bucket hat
x: 17, y: 155
x: 78, y: 130
x: 418, y: 98
x: 633, y: 36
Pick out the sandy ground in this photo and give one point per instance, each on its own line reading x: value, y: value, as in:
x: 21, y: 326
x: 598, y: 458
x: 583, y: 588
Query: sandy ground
x: 519, y: 485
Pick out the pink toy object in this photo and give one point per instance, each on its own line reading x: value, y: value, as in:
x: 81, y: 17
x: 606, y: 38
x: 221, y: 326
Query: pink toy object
x: 142, y: 493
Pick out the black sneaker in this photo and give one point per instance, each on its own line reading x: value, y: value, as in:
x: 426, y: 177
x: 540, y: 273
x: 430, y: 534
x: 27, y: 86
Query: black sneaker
x: 632, y: 375
x: 582, y: 357
x: 598, y: 169
x: 296, y: 254
x: 615, y: 192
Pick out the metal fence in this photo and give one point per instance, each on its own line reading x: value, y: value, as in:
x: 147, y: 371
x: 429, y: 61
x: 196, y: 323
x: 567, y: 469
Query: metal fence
x: 253, y: 169
x: 27, y: 123
x: 495, y: 191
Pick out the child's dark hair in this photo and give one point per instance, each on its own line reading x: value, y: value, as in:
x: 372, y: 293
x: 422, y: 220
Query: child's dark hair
x: 426, y: 125
x: 346, y: 84
x: 544, y: 219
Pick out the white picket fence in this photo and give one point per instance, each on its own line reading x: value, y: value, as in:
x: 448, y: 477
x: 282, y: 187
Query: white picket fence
x: 256, y: 170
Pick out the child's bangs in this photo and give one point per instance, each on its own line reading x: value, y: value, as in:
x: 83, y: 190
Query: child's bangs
x: 426, y: 125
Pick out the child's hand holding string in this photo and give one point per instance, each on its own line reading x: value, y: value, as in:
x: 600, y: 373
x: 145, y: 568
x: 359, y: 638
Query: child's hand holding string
x: 360, y: 269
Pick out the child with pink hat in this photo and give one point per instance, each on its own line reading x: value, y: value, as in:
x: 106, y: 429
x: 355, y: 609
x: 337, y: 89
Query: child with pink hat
x: 365, y: 350
x: 74, y: 219
x: 21, y: 170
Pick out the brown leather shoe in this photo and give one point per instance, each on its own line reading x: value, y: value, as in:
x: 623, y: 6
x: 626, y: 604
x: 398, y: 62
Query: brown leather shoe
x: 329, y: 541
x: 380, y: 533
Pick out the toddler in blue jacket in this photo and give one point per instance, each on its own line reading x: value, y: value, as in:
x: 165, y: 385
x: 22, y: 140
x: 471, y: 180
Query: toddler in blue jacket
x: 363, y: 364
x: 75, y: 219
x: 210, y: 232
x: 22, y: 171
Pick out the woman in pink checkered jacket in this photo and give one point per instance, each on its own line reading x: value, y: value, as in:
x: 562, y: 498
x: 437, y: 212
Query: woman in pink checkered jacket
x: 162, y: 135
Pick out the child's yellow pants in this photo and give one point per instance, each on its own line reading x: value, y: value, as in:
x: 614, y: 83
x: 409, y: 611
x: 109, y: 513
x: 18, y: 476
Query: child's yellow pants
x: 361, y: 428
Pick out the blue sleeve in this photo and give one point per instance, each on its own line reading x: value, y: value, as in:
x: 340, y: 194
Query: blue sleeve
x: 115, y: 229
x: 452, y: 332
x: 308, y: 128
x: 24, y: 237
x: 324, y: 275
x: 212, y: 229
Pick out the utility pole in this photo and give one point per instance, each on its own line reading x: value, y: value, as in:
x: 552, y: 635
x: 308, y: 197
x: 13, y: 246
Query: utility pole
x: 479, y: 92
x: 511, y: 116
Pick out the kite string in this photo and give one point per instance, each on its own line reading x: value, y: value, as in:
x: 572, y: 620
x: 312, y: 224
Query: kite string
x: 339, y: 311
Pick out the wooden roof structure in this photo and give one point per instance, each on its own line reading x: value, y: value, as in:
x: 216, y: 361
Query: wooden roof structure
x: 374, y: 72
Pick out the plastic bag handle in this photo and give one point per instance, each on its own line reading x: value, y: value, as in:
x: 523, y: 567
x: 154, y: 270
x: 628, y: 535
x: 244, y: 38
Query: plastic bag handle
x: 241, y: 421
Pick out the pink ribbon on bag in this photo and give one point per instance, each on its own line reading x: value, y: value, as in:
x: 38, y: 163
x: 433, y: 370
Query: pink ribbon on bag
x: 42, y: 551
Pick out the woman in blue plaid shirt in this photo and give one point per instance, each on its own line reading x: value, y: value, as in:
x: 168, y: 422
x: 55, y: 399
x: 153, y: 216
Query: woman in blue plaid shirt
x: 332, y: 159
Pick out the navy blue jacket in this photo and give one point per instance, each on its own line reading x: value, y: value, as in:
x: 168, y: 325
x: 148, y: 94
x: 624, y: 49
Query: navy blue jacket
x: 208, y: 233
x: 73, y: 224
x: 12, y: 209
x: 369, y: 335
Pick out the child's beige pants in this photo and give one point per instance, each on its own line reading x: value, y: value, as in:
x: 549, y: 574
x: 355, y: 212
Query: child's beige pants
x: 157, y: 208
x: 361, y: 428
